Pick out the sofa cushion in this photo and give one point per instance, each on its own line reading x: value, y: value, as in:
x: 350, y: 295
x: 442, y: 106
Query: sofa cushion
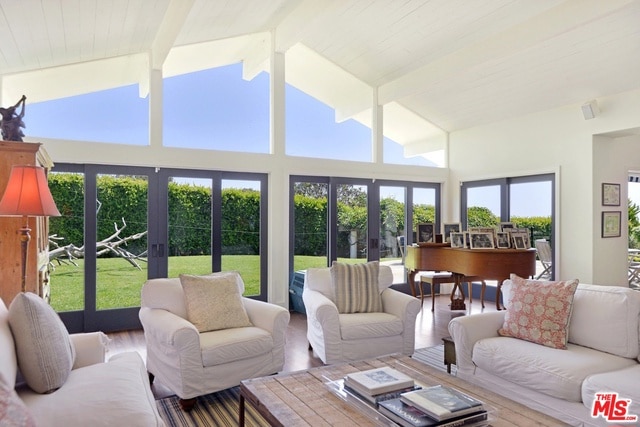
x: 13, y: 412
x: 214, y: 302
x: 539, y: 311
x: 356, y: 287
x: 369, y: 325
x: 319, y: 279
x: 115, y: 393
x: 555, y: 372
x: 606, y: 318
x: 623, y: 381
x: 228, y: 345
x: 45, y: 353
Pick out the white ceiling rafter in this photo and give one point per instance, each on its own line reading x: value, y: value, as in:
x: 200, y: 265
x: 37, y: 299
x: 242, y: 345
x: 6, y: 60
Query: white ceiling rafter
x: 536, y: 30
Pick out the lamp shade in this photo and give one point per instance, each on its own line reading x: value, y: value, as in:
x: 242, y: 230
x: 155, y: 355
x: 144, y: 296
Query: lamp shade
x: 27, y: 193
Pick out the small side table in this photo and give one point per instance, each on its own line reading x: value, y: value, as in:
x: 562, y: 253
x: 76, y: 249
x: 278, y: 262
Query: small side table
x: 449, y: 353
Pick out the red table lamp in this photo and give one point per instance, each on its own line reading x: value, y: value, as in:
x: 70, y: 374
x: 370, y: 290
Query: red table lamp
x: 27, y: 194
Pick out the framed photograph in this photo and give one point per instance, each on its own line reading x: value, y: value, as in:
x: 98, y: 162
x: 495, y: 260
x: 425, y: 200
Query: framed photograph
x: 481, y: 240
x: 520, y: 240
x: 505, y: 226
x: 503, y: 240
x: 611, y: 224
x: 610, y: 194
x: 458, y: 239
x: 425, y: 233
x: 525, y: 232
x: 449, y: 228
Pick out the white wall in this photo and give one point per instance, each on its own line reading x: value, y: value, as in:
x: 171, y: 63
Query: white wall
x: 562, y: 142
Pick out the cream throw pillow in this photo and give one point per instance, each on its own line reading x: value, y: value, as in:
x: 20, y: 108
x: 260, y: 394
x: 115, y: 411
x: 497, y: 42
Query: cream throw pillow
x: 45, y: 353
x: 356, y: 287
x: 214, y: 302
x: 539, y: 311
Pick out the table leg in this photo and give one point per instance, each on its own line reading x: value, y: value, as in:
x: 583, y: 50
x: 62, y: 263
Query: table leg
x: 241, y: 411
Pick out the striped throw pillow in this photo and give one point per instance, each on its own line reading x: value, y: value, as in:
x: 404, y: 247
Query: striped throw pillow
x: 356, y: 287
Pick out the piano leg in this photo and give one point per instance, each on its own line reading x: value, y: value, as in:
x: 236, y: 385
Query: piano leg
x: 457, y: 298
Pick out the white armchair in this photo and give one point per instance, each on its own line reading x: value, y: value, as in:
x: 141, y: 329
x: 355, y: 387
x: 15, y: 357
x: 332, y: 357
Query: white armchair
x: 336, y: 337
x: 191, y: 363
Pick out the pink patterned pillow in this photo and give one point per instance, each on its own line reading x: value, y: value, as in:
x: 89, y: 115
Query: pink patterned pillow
x: 13, y: 412
x: 539, y: 311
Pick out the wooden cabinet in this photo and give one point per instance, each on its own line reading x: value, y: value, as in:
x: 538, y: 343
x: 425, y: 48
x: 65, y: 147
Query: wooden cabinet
x: 37, y: 281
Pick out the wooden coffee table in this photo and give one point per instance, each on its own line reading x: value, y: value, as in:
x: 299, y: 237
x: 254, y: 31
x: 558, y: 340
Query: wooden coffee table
x: 303, y: 399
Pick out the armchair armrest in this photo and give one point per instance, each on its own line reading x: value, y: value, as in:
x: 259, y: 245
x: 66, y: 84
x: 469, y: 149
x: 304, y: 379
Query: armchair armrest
x: 323, y: 324
x: 270, y: 317
x: 467, y: 330
x: 406, y: 308
x: 166, y: 330
x: 91, y: 348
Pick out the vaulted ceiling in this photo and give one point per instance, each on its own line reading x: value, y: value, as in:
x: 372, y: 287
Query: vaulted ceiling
x: 455, y: 63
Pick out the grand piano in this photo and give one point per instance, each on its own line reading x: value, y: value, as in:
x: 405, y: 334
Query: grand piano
x: 489, y: 264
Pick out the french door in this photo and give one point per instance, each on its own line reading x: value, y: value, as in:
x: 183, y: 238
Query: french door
x: 139, y: 223
x: 357, y: 220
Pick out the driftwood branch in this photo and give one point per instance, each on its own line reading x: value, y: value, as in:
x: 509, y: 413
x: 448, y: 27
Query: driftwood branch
x: 113, y: 244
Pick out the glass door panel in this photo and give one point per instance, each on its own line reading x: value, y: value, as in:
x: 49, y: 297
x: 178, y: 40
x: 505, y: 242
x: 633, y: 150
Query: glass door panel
x: 483, y: 206
x: 66, y: 242
x: 310, y: 216
x: 189, y: 226
x: 352, y: 220
x: 240, y: 231
x: 121, y: 240
x: 392, y: 230
x: 530, y: 200
x: 424, y: 209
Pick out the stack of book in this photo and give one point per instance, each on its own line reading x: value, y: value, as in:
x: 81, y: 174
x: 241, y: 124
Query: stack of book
x: 376, y: 385
x: 434, y: 406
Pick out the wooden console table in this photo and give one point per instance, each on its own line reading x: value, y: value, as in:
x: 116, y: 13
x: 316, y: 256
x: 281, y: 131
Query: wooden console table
x: 490, y: 264
x: 303, y: 399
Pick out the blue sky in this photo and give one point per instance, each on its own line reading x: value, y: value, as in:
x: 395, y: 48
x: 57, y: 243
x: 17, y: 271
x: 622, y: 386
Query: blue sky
x: 213, y: 108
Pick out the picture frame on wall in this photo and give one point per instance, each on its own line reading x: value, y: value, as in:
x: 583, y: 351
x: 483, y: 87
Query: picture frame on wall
x: 448, y: 228
x: 611, y: 222
x: 426, y: 233
x: 610, y: 194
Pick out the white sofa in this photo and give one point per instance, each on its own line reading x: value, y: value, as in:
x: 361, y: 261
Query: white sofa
x: 603, y: 355
x: 95, y: 393
x: 337, y: 337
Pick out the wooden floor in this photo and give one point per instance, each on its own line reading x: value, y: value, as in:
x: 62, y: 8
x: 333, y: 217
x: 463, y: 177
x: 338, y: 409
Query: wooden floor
x: 430, y: 328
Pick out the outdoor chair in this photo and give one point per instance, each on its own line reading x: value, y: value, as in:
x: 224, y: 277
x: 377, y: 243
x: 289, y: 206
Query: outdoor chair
x: 543, y: 250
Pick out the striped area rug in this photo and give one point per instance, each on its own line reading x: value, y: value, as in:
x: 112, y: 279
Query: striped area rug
x: 221, y: 408
x: 211, y: 410
x: 433, y: 356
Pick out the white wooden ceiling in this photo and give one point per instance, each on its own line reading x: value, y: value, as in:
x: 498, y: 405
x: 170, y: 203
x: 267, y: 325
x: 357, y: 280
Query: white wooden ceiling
x: 456, y: 63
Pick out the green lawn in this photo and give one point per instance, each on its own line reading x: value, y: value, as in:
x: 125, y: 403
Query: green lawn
x: 119, y: 283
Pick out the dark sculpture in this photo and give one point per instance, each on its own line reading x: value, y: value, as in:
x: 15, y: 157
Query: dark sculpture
x: 11, y: 122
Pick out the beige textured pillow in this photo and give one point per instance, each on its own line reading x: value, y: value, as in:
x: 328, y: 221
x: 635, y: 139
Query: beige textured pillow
x: 356, y: 287
x: 214, y: 302
x: 45, y: 353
